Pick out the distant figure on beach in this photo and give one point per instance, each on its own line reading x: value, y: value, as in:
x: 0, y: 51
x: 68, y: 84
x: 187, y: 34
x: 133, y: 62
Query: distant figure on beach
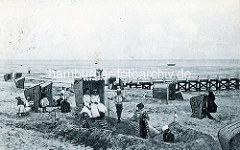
x: 212, y: 106
x: 65, y: 106
x: 87, y: 104
x: 44, y: 103
x: 175, y: 116
x: 119, y: 104
x: 167, y: 134
x: 94, y: 104
x: 143, y: 121
x: 20, y: 106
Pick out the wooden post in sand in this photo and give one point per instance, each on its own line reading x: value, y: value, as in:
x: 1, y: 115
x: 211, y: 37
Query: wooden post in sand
x: 167, y: 93
x: 108, y: 110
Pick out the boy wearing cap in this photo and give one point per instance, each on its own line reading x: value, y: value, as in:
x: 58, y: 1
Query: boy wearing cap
x: 119, y: 104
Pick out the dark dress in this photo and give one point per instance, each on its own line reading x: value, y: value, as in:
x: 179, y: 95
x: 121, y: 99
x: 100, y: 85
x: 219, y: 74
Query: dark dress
x: 143, y: 125
x: 168, y: 137
x: 65, y: 107
x: 59, y: 101
x: 212, y: 106
x: 20, y: 102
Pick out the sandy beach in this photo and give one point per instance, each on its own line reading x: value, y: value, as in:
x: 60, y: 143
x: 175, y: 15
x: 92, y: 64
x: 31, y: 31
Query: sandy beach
x: 36, y: 131
x: 70, y: 54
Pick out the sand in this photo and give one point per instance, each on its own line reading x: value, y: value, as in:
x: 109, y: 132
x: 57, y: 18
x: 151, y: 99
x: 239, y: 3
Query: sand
x: 38, y: 130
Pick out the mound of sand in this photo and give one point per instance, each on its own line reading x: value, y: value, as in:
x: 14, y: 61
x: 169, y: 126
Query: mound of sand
x: 121, y: 136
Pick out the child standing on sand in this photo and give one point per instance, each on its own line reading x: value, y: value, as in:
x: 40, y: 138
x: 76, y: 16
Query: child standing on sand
x: 20, y: 106
x: 44, y: 103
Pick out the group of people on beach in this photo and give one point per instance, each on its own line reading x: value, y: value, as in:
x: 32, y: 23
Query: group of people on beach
x: 93, y: 108
x: 25, y: 106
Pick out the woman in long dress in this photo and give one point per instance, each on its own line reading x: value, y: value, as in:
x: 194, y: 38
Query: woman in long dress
x: 143, y: 122
x: 101, y: 107
x: 94, y: 105
x: 87, y: 104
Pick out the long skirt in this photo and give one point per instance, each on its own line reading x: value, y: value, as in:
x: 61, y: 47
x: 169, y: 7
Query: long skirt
x: 102, y: 108
x: 94, y: 110
x: 143, y: 128
x: 86, y: 110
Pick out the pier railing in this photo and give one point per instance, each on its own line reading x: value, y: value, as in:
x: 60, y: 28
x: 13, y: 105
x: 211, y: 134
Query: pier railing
x: 195, y: 83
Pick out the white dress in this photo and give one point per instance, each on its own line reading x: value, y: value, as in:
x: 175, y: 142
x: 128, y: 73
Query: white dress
x: 86, y: 108
x: 94, y: 106
x: 101, y: 107
x: 27, y: 107
x: 44, y: 102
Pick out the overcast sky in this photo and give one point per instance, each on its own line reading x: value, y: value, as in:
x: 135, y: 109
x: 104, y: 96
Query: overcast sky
x: 124, y: 29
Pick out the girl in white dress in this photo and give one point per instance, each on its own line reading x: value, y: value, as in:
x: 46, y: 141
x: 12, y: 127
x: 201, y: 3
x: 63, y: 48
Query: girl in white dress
x: 94, y: 105
x: 87, y: 104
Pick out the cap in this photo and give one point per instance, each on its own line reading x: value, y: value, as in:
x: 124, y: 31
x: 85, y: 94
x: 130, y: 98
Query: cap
x: 165, y: 127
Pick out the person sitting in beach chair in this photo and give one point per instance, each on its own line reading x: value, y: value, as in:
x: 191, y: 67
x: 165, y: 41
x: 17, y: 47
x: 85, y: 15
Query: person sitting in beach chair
x: 65, y: 106
x: 30, y: 103
x: 44, y: 103
x: 87, y: 103
x: 27, y: 106
x: 61, y: 98
x: 101, y: 107
x: 94, y: 104
x: 20, y: 106
x: 167, y: 134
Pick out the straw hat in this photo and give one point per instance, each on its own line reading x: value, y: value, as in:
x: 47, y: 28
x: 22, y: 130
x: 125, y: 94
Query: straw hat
x: 140, y: 106
x: 165, y: 127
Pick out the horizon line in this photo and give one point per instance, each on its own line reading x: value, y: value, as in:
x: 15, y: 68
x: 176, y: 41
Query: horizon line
x: 131, y: 59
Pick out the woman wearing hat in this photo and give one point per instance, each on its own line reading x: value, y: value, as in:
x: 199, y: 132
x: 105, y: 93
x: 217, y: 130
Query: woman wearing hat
x: 143, y: 121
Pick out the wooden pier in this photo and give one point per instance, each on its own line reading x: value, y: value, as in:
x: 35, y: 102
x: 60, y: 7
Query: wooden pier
x: 191, y: 85
x: 207, y: 84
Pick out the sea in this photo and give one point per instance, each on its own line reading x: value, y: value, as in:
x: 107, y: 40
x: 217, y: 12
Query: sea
x: 64, y: 71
